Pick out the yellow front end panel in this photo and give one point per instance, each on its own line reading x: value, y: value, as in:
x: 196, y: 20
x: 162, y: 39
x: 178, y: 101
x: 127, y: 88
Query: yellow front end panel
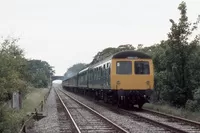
x: 132, y: 81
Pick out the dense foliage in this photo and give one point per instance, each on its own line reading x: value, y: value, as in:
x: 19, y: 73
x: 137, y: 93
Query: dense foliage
x: 110, y: 51
x: 12, y: 65
x: 176, y: 63
x: 39, y: 73
x: 17, y: 74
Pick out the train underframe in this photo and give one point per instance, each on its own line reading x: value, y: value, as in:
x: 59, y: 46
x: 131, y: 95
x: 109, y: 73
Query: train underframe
x: 123, y: 98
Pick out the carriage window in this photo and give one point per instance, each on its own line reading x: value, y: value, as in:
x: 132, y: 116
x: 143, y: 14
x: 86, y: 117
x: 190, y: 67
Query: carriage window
x: 95, y: 73
x: 124, y: 67
x: 92, y: 74
x: 142, y: 67
x: 99, y: 71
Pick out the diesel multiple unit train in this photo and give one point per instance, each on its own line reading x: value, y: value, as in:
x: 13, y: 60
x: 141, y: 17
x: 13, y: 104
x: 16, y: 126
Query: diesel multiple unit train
x: 125, y: 78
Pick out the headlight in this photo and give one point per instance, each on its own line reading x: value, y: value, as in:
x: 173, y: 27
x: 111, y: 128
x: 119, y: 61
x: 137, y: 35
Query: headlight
x: 118, y: 83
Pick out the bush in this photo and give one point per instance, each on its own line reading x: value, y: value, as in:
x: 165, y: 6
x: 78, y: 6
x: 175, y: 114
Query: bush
x: 191, y: 105
x: 10, y: 120
x: 197, y: 96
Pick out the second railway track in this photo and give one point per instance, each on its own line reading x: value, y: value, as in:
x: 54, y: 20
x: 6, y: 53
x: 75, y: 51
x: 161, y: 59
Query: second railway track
x: 182, y: 124
x: 174, y: 118
x: 84, y: 118
x: 169, y: 122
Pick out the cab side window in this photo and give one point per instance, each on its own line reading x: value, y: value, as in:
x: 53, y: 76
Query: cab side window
x: 142, y: 67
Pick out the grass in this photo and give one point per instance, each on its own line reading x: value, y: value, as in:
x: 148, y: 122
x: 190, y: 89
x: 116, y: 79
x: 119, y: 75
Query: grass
x: 33, y: 99
x: 13, y: 118
x: 180, y: 112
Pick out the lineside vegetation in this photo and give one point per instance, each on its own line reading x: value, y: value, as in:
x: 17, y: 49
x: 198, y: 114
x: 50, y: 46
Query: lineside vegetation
x: 18, y: 74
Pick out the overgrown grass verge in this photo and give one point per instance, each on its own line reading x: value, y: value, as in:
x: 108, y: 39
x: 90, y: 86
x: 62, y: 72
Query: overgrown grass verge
x: 180, y: 112
x: 33, y: 99
x: 11, y: 120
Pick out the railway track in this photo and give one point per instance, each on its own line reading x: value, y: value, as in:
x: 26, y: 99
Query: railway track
x: 65, y: 124
x: 171, y: 123
x: 84, y: 118
x: 166, y: 122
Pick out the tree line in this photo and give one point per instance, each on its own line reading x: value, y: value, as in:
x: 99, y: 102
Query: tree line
x: 18, y: 73
x: 176, y: 63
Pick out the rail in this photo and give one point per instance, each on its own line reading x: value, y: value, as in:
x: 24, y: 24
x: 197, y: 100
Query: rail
x: 70, y: 116
x: 165, y: 126
x: 95, y: 112
x: 173, y: 117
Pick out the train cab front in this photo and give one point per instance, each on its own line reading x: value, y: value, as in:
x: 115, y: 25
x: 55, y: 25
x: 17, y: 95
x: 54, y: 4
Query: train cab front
x: 132, y: 78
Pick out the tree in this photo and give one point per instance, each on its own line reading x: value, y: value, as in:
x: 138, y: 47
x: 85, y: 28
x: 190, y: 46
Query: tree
x: 110, y: 51
x: 11, y: 68
x: 39, y: 73
x: 176, y: 62
x: 125, y: 47
x: 178, y: 55
x: 73, y: 70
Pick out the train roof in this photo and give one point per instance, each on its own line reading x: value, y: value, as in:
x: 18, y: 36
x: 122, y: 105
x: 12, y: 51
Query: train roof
x: 132, y: 54
x: 100, y: 63
x: 74, y: 75
x: 122, y: 54
x: 83, y: 70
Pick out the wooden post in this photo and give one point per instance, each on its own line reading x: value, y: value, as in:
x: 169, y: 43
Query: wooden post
x: 24, y: 128
x: 44, y: 98
x: 36, y: 114
x: 20, y: 100
x: 42, y: 106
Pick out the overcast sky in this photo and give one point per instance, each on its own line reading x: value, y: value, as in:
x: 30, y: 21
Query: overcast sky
x: 65, y: 32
